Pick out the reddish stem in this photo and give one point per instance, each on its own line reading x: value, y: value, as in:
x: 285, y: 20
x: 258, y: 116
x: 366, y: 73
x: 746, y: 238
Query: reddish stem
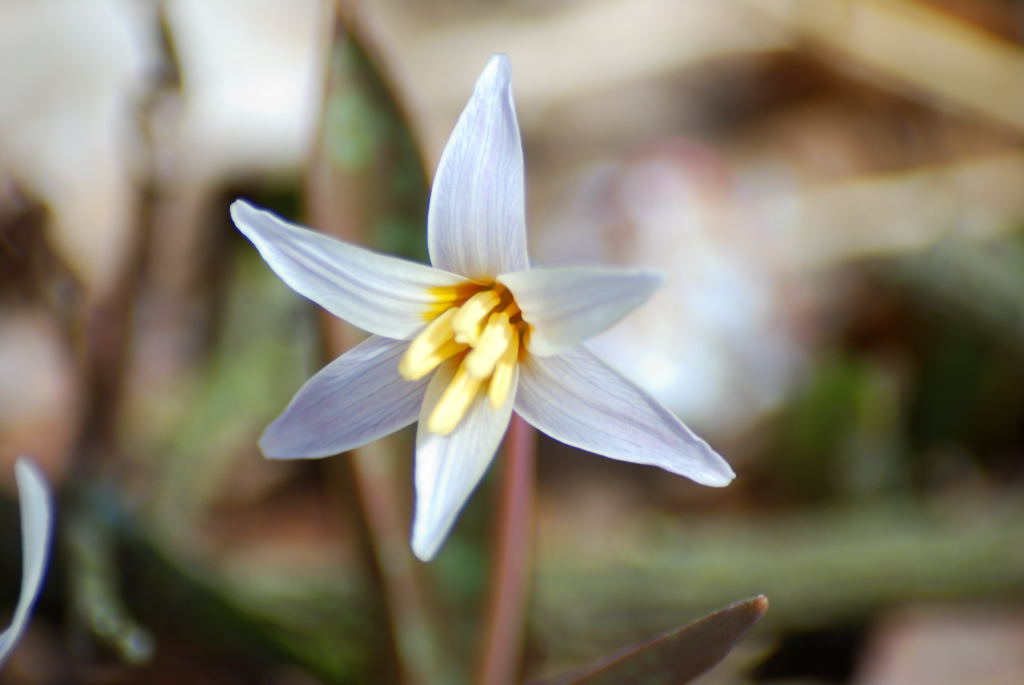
x: 510, y: 564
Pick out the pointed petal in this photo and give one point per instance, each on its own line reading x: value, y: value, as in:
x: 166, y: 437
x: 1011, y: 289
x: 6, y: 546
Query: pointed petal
x: 355, y: 399
x: 566, y: 305
x: 476, y: 223
x: 577, y: 399
x: 36, y: 524
x: 449, y: 467
x: 380, y: 294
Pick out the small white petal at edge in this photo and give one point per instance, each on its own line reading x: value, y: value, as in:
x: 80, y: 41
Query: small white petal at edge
x: 381, y: 294
x: 36, y: 525
x: 566, y: 305
x: 355, y: 399
x: 476, y: 221
x: 577, y: 399
x: 449, y: 467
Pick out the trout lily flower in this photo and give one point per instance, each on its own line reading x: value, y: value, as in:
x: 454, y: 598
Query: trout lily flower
x: 36, y: 522
x: 463, y: 343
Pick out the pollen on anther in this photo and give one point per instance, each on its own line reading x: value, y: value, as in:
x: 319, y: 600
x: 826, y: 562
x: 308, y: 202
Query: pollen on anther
x: 454, y: 402
x: 433, y: 345
x: 500, y: 385
x: 478, y: 329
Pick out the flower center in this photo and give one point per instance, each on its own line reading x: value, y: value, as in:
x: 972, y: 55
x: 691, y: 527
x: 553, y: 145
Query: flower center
x: 483, y: 330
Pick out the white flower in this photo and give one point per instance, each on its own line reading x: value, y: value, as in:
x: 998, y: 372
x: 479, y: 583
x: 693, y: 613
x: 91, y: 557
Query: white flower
x: 36, y: 521
x: 463, y: 343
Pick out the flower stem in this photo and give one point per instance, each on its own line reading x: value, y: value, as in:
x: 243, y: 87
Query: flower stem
x: 503, y: 638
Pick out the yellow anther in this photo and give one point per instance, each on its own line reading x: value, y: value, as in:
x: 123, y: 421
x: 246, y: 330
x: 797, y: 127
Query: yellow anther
x: 433, y: 345
x: 480, y: 325
x: 504, y: 370
x: 454, y: 402
x: 468, y: 322
x: 495, y: 339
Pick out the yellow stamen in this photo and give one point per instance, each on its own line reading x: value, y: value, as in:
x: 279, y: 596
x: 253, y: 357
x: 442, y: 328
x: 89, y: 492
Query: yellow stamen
x: 501, y: 379
x: 454, y: 402
x: 468, y: 322
x: 495, y: 339
x: 433, y: 345
x: 481, y: 324
x: 445, y: 296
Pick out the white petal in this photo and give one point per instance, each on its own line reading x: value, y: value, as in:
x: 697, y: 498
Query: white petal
x: 380, y: 294
x: 355, y: 399
x: 449, y: 467
x: 476, y: 223
x: 577, y: 399
x: 36, y: 524
x: 566, y: 305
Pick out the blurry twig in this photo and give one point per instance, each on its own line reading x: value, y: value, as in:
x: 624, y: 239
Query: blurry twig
x: 104, y: 340
x: 416, y: 632
x: 902, y: 213
x: 652, y: 37
x: 366, y: 185
x: 918, y: 46
x: 510, y: 561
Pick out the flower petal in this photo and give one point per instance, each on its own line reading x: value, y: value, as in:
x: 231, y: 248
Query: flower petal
x: 36, y: 524
x: 476, y: 223
x: 355, y: 399
x: 380, y: 294
x: 566, y: 305
x: 449, y: 467
x: 577, y: 399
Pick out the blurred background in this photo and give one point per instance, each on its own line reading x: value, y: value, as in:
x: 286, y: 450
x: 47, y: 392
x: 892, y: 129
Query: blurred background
x: 834, y: 187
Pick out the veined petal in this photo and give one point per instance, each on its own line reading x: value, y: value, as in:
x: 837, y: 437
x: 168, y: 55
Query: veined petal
x: 476, y: 223
x: 449, y: 467
x: 36, y: 524
x: 577, y: 399
x: 355, y: 399
x: 380, y: 294
x: 566, y: 305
